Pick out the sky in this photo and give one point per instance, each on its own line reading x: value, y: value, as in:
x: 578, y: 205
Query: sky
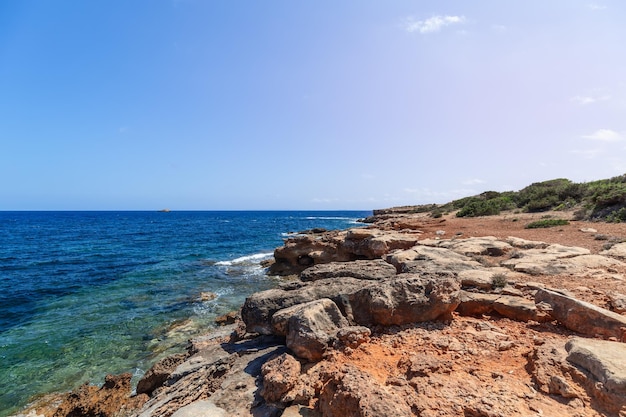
x: 304, y: 105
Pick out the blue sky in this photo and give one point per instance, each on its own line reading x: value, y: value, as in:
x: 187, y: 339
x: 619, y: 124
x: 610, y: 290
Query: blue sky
x: 356, y: 104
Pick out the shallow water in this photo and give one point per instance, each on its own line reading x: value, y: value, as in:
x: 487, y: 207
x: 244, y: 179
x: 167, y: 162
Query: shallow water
x: 83, y: 294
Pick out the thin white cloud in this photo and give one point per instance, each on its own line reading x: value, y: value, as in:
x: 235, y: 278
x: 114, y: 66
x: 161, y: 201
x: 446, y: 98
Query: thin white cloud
x: 596, y: 6
x: 433, y: 24
x: 584, y: 100
x: 605, y: 135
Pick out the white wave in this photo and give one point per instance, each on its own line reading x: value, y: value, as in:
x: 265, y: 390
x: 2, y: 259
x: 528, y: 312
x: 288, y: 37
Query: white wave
x: 292, y: 234
x: 330, y: 218
x: 248, y: 259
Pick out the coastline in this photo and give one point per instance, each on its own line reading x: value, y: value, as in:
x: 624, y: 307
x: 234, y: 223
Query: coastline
x: 130, y: 281
x: 360, y: 344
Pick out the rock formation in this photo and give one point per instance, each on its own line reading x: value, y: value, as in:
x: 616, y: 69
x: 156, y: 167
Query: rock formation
x: 391, y: 319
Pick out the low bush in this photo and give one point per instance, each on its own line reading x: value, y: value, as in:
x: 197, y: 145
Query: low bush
x: 546, y: 223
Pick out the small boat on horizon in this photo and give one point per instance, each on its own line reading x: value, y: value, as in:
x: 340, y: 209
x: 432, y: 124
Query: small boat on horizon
x: 165, y: 210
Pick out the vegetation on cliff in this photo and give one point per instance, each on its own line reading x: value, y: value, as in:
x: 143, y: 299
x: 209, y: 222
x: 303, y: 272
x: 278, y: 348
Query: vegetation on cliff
x: 596, y: 200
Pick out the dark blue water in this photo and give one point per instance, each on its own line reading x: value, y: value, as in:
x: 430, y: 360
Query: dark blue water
x: 83, y: 294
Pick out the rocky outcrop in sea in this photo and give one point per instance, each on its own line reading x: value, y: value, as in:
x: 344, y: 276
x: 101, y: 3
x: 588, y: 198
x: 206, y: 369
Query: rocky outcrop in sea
x: 384, y: 321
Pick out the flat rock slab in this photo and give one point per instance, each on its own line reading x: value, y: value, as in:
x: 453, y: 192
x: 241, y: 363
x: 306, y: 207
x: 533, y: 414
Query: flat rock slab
x: 526, y: 244
x: 487, y: 245
x: 554, y: 259
x: 375, y: 269
x: 422, y: 258
x: 583, y: 317
x: 618, y: 251
x: 603, y: 359
x: 201, y: 408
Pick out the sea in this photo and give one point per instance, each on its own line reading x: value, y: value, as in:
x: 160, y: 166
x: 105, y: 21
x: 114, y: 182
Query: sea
x: 85, y: 294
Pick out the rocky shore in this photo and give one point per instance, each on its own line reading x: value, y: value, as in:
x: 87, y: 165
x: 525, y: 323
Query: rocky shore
x: 408, y: 316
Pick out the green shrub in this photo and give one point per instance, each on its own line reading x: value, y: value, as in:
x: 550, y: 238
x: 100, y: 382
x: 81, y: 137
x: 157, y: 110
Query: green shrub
x: 546, y: 195
x: 479, y: 206
x: 546, y: 223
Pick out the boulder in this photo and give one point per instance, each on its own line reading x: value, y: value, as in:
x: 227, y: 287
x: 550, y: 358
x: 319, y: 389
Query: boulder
x: 361, y: 269
x: 509, y: 306
x: 518, y: 308
x: 481, y: 278
x: 353, y: 336
x: 300, y: 252
x: 583, y: 317
x: 374, y: 243
x: 280, y: 375
x: 312, y: 327
x: 259, y: 308
x: 475, y: 303
x: 405, y: 299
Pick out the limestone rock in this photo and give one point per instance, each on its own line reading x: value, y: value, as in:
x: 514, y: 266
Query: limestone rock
x: 431, y: 259
x: 350, y: 392
x: 617, y: 302
x: 552, y: 373
x: 526, y: 244
x: 512, y: 307
x: 554, y: 259
x: 301, y: 252
x: 476, y: 304
x: 280, y: 375
x: 259, y: 308
x: 583, y: 367
x: 487, y: 245
x: 374, y: 243
x: 353, y: 336
x: 159, y: 373
x: 477, y: 278
x: 583, y: 317
x: 517, y: 308
x: 200, y: 408
x: 361, y: 269
x: 300, y: 411
x: 224, y: 376
x: 107, y: 401
x: 618, y: 250
x: 407, y: 298
x: 311, y: 327
x: 603, y: 359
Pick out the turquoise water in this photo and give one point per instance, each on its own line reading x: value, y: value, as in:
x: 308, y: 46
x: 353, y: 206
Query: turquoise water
x: 83, y: 294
